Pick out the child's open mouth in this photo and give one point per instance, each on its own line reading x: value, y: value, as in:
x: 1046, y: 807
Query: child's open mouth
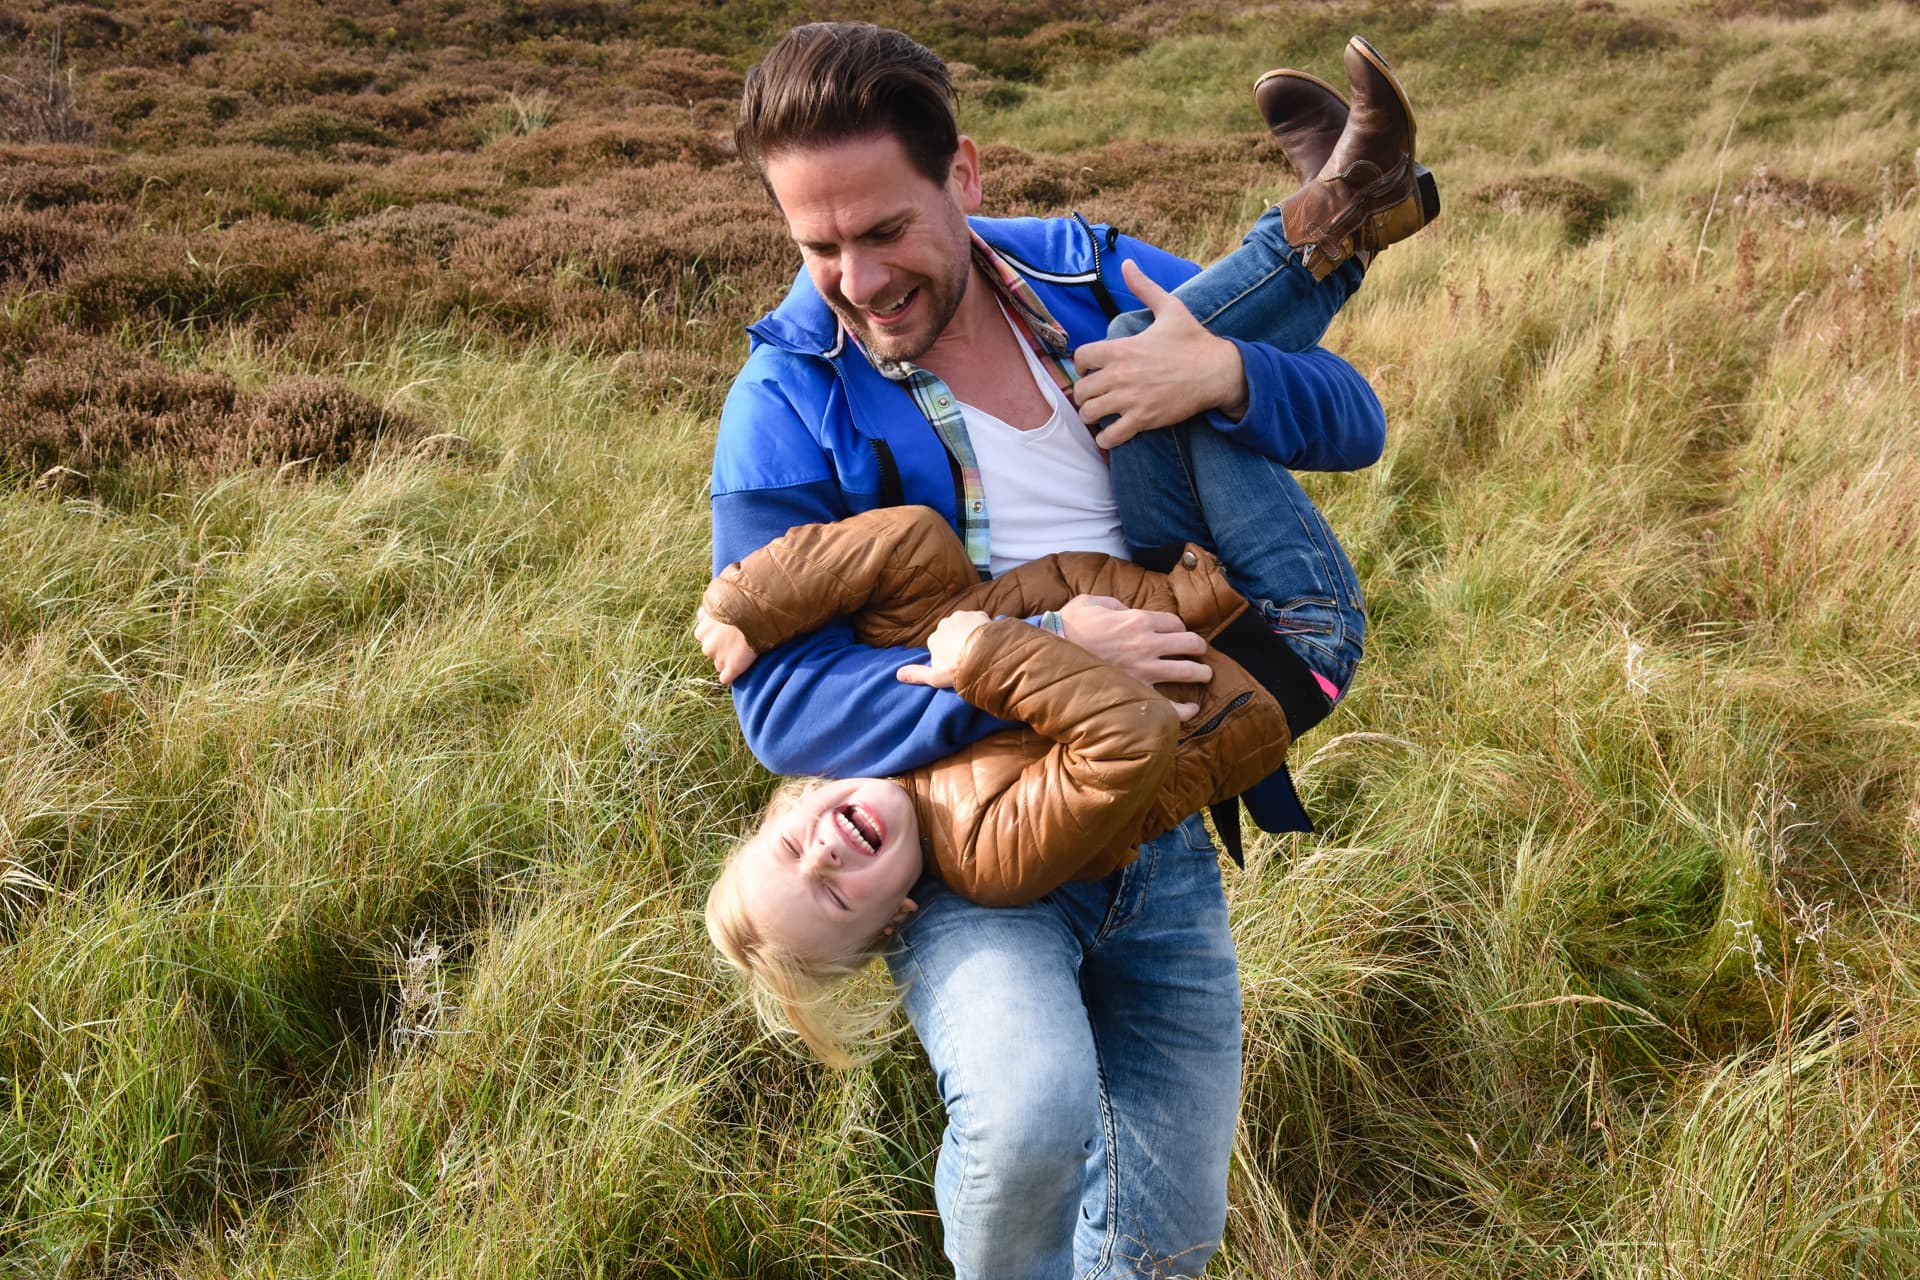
x: 862, y: 828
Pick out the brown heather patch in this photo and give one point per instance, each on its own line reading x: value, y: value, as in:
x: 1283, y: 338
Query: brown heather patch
x: 87, y: 403
x: 1583, y: 209
x: 665, y: 373
x: 261, y: 271
x: 1788, y: 196
x: 150, y: 107
x: 424, y: 231
x: 36, y: 247
x: 311, y: 128
x: 41, y: 177
x: 37, y: 99
x: 686, y: 76
x: 91, y: 405
x: 307, y: 419
x: 572, y: 149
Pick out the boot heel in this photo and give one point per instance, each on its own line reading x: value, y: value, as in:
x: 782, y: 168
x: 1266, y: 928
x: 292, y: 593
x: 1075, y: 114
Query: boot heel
x: 1429, y: 193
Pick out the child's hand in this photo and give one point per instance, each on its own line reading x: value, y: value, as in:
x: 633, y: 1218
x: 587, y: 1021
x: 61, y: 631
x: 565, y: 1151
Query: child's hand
x: 725, y: 644
x: 943, y: 649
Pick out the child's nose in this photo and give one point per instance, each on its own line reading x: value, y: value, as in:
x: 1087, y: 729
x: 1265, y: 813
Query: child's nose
x: 820, y: 854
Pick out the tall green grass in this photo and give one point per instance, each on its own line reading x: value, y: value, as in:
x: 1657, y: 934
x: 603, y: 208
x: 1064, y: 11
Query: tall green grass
x: 353, y: 827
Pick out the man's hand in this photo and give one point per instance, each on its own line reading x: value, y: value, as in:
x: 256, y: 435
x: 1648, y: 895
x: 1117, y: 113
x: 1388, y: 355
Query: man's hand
x: 1169, y: 373
x: 724, y: 644
x: 943, y: 648
x: 1144, y: 643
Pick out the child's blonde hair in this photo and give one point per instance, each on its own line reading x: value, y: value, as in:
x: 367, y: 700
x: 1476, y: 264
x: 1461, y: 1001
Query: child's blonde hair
x: 790, y: 993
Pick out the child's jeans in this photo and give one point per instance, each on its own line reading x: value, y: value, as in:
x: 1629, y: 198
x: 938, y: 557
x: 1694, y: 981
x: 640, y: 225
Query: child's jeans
x: 1190, y: 483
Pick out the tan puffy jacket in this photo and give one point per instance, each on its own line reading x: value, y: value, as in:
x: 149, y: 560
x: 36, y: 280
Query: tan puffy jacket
x: 1104, y: 762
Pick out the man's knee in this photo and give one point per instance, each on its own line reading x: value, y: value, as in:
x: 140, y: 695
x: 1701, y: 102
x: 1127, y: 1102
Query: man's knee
x: 1036, y: 1119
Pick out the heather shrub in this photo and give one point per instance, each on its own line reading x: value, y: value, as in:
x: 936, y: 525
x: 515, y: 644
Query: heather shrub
x: 161, y: 109
x: 88, y: 403
x: 308, y: 128
x: 44, y: 177
x: 663, y: 373
x: 684, y: 76
x: 428, y: 230
x: 571, y: 149
x: 1790, y: 197
x: 305, y: 419
x: 92, y: 405
x: 37, y: 97
x: 262, y: 271
x: 36, y: 247
x: 85, y: 26
x: 1583, y: 209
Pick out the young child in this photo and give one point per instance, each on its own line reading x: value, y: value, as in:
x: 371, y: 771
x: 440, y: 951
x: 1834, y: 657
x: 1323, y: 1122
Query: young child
x: 1103, y: 761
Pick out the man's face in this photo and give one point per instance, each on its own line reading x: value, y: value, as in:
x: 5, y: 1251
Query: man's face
x: 887, y: 248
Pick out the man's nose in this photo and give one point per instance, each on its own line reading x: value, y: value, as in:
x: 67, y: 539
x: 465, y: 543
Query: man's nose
x: 862, y: 277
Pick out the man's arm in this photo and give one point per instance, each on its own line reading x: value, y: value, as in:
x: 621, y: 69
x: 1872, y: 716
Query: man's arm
x: 821, y: 703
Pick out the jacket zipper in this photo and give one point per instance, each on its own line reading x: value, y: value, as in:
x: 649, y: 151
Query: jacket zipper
x: 1213, y: 722
x: 1100, y: 292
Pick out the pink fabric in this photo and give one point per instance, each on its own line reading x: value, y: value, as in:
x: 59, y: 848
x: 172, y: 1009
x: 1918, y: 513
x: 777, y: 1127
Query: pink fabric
x: 1328, y: 687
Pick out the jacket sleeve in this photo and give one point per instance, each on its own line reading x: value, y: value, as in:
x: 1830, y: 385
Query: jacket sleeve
x: 821, y: 703
x: 893, y: 569
x: 1307, y: 410
x: 1112, y: 745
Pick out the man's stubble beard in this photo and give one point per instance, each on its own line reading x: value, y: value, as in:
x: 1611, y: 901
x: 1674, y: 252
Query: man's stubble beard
x: 941, y: 302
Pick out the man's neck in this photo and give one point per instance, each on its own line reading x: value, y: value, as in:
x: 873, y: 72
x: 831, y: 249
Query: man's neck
x: 973, y: 331
x: 978, y: 356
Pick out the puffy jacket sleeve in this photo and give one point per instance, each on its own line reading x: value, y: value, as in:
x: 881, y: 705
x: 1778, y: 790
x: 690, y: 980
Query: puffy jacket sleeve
x: 821, y: 703
x: 896, y: 568
x: 1016, y: 838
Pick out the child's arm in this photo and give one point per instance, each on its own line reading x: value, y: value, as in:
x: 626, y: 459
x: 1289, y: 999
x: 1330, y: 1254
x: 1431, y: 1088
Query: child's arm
x: 896, y: 567
x: 1010, y: 819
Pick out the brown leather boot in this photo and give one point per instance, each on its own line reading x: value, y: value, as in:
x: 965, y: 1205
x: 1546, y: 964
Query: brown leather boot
x: 1305, y: 113
x: 1370, y: 193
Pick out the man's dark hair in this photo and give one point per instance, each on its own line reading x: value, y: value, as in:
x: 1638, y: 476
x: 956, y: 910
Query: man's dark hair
x: 827, y: 82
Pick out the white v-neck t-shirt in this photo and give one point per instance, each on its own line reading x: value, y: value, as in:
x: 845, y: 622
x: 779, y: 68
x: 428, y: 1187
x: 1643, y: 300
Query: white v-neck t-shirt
x: 1047, y: 489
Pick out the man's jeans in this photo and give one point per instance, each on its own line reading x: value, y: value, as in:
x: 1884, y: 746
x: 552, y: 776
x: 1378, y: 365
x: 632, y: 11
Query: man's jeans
x: 1087, y: 1047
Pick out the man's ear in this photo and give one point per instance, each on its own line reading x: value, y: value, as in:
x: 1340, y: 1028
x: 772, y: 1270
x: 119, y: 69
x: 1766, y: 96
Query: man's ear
x: 963, y: 179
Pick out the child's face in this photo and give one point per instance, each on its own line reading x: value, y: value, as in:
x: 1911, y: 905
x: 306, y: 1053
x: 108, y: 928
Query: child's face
x: 829, y: 872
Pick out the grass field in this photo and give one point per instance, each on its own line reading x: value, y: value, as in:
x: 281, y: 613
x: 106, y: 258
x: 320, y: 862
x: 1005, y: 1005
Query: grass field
x: 359, y: 781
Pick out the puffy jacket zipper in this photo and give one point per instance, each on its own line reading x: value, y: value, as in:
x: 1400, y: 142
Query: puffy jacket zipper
x: 1213, y: 722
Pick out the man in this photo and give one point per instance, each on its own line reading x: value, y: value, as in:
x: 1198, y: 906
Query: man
x: 1087, y: 1046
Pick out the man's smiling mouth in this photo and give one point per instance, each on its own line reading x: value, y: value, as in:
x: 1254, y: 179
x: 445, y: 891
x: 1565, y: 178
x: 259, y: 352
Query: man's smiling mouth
x: 888, y: 313
x: 861, y: 826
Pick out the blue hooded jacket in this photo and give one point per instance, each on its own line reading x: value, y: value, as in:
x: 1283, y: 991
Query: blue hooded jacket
x: 812, y: 432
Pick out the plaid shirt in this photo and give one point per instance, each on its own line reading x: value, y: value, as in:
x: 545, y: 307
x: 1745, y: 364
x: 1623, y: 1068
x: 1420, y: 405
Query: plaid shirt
x: 942, y: 408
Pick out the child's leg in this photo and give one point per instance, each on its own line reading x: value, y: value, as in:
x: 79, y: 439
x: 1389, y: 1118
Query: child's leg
x: 1191, y: 483
x: 1260, y: 293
